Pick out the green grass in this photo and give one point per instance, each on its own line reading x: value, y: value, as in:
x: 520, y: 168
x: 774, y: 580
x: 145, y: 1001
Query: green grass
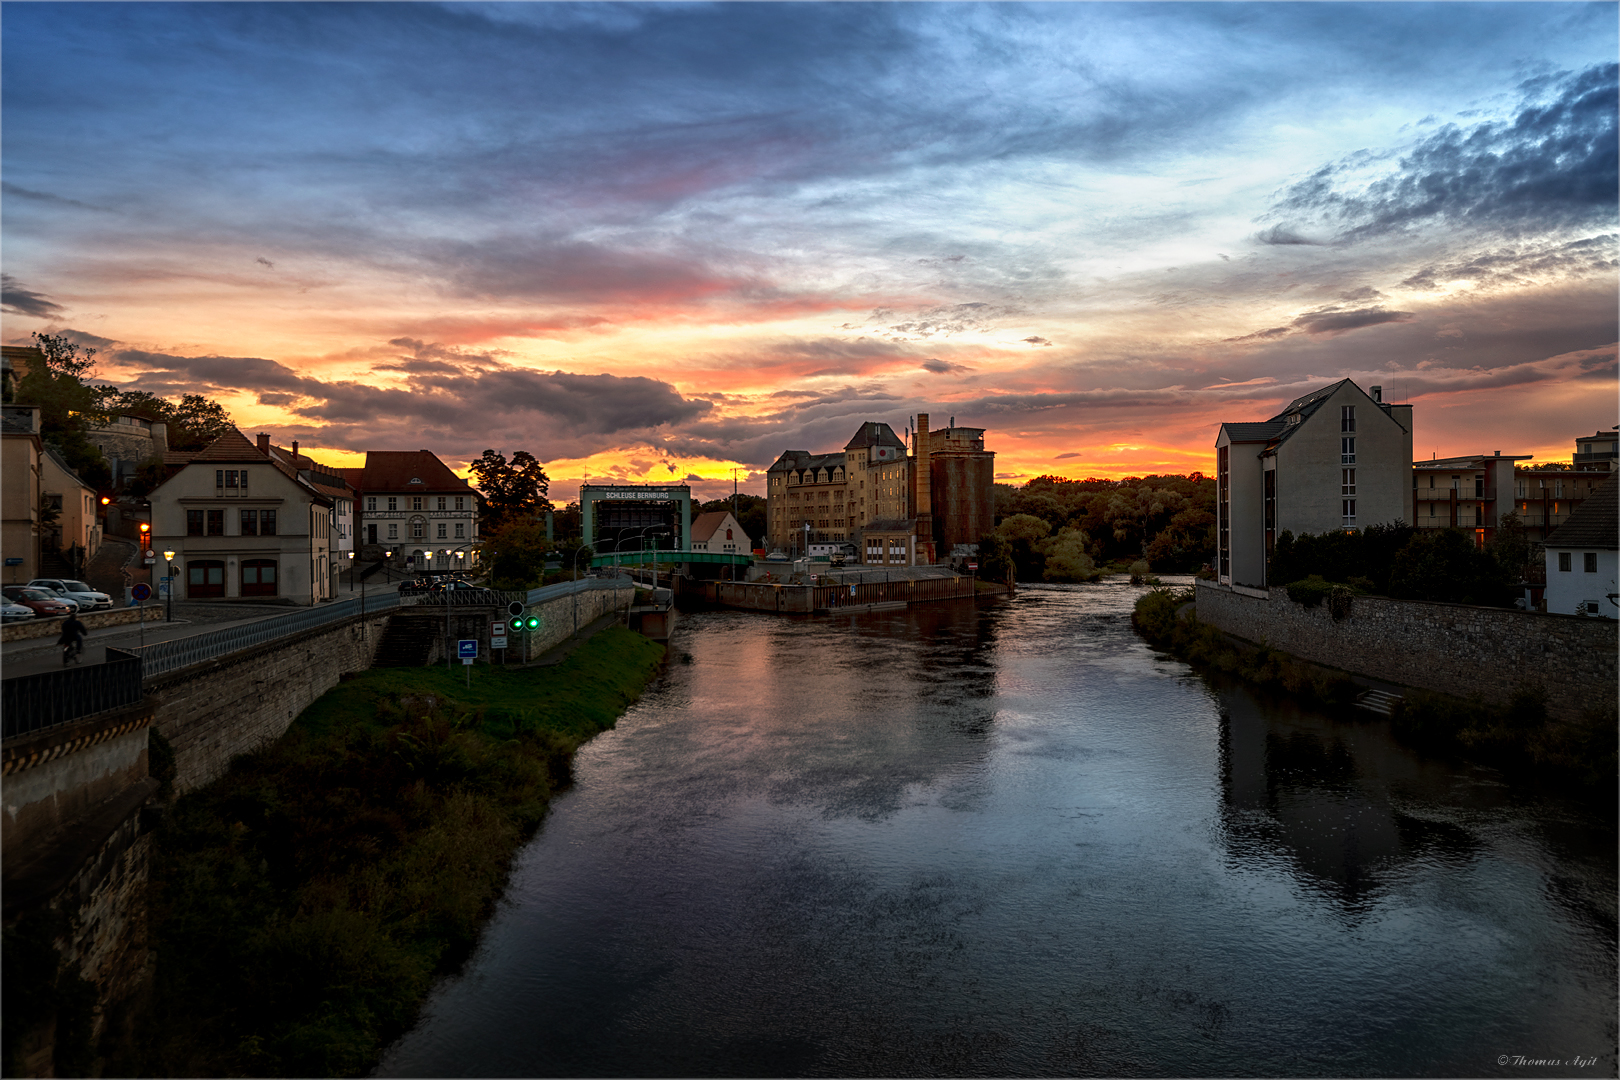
x: 305, y: 903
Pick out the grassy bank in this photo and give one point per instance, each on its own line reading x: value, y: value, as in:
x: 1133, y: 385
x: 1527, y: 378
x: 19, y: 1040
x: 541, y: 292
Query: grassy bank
x: 304, y: 904
x: 1518, y: 737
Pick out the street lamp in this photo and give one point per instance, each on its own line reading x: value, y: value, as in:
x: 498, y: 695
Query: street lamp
x: 168, y: 557
x: 352, y: 565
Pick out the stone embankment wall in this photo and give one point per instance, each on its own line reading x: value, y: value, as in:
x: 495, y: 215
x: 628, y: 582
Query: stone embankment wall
x: 213, y: 711
x: 1456, y: 649
x: 558, y: 617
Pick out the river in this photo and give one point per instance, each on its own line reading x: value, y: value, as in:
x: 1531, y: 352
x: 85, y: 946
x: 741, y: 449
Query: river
x: 1011, y: 839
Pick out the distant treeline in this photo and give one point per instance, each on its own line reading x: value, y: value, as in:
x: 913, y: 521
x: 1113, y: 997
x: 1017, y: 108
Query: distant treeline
x: 1054, y: 529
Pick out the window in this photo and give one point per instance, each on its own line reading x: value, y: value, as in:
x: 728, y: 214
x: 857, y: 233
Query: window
x: 1564, y: 562
x: 194, y: 522
x: 416, y: 530
x: 216, y: 522
x: 1347, y: 418
x: 441, y: 502
x: 250, y: 523
x: 1347, y: 450
x: 393, y: 532
x: 461, y: 502
x: 393, y: 502
x: 1349, y: 511
x: 1347, y: 481
x: 258, y: 577
x: 205, y: 578
x: 416, y: 502
x: 371, y: 504
x: 1589, y: 562
x: 267, y: 523
x: 461, y: 531
x: 443, y: 532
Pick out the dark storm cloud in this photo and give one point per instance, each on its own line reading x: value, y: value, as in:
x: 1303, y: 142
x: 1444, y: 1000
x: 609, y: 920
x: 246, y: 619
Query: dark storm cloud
x: 20, y: 301
x: 1554, y: 164
x: 1282, y: 234
x: 943, y: 367
x: 1329, y: 320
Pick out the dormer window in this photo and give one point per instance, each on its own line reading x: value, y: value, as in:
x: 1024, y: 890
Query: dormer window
x: 1291, y: 418
x: 416, y: 479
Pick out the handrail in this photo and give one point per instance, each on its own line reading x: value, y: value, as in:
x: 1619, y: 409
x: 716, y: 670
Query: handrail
x: 30, y: 703
x: 167, y: 656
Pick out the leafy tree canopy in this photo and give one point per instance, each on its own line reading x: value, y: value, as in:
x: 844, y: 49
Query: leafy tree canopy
x: 514, y: 491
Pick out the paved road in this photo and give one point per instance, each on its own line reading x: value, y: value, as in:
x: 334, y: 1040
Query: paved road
x: 34, y: 655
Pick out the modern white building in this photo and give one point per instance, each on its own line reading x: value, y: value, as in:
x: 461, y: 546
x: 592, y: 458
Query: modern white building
x: 1583, y: 557
x: 1340, y: 458
x: 718, y: 531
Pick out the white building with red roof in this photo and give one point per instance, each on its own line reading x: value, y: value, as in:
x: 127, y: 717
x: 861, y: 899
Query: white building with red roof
x: 244, y: 523
x: 416, y: 510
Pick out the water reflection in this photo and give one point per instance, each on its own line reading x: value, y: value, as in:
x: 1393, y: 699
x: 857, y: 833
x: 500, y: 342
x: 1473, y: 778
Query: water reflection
x: 1011, y: 840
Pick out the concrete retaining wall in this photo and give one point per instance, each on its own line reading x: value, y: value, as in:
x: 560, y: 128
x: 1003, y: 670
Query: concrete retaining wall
x: 1452, y: 649
x: 214, y: 711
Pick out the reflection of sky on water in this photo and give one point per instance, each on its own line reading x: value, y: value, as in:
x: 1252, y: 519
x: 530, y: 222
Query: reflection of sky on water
x: 1010, y: 840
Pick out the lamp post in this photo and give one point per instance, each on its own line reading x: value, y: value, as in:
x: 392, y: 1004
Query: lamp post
x: 447, y: 593
x: 168, y: 558
x: 352, y: 565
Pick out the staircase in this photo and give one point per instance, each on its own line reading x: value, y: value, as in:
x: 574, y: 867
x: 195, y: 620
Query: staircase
x: 1379, y: 702
x: 407, y: 641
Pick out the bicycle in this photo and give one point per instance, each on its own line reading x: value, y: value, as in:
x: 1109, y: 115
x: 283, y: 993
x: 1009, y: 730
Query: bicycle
x: 73, y: 652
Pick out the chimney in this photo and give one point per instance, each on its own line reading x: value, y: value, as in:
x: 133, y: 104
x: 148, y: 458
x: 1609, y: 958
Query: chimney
x: 295, y: 452
x: 925, y: 488
x: 1378, y: 394
x: 264, y: 443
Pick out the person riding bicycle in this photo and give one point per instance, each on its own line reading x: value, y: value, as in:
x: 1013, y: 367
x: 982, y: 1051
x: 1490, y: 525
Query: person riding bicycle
x: 72, y: 639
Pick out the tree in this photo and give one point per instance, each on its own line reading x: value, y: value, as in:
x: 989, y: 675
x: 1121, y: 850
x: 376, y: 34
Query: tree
x: 517, y: 554
x: 750, y: 513
x: 67, y: 407
x: 513, y: 491
x: 995, y: 558
x: 1067, y: 559
x: 1444, y: 564
x: 1185, y: 544
x: 1510, y: 547
x: 1023, y: 532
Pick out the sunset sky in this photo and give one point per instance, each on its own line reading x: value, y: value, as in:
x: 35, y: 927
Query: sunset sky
x: 659, y: 242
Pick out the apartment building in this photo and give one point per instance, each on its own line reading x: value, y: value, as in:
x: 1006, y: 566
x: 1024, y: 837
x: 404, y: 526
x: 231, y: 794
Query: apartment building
x: 1470, y: 492
x: 1338, y: 458
x: 415, y: 511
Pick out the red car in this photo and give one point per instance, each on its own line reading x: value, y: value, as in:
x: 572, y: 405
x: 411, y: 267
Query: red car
x: 41, y: 601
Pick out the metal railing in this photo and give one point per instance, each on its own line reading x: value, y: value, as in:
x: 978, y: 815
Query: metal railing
x: 32, y: 702
x: 167, y: 656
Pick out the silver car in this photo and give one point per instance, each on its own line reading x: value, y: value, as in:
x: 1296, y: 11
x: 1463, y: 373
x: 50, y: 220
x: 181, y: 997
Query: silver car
x: 76, y: 592
x: 10, y: 612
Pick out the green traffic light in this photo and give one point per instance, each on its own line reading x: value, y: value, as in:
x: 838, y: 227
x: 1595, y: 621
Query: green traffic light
x: 534, y: 622
x: 517, y: 624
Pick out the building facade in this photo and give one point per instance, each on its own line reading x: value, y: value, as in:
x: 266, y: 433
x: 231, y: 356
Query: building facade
x: 242, y: 525
x: 718, y: 531
x: 20, y: 452
x: 1472, y: 493
x: 1583, y: 557
x: 942, y: 491
x: 414, y: 511
x: 76, y: 532
x: 1599, y: 452
x: 1339, y: 458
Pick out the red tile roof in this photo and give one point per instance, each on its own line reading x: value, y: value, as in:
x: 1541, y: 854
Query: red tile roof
x: 704, y: 525
x: 393, y: 470
x: 231, y: 446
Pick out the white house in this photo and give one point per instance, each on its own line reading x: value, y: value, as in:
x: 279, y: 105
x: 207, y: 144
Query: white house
x: 719, y: 531
x: 1582, y: 557
x: 243, y: 525
x: 1335, y: 459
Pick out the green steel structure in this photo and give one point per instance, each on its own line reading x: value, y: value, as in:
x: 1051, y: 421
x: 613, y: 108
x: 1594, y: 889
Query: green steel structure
x: 637, y: 558
x: 629, y: 507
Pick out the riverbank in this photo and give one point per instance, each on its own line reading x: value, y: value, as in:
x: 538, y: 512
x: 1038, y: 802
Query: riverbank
x: 1519, y: 737
x: 304, y: 905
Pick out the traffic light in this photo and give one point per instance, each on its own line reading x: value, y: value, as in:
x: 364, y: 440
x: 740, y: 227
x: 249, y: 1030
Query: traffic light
x: 517, y: 624
x: 532, y: 623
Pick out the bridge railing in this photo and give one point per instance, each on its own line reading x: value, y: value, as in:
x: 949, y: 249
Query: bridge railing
x: 167, y: 656
x: 30, y: 703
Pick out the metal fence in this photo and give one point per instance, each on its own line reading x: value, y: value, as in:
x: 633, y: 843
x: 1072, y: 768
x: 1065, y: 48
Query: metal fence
x: 31, y: 702
x: 167, y: 656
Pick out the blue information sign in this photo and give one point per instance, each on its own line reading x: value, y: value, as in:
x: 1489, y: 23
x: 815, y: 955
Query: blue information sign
x: 467, y: 648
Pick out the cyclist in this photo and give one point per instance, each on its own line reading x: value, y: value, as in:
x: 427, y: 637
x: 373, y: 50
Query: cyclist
x: 72, y: 639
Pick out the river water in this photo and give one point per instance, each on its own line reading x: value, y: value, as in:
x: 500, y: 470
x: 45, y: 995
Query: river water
x: 1010, y: 839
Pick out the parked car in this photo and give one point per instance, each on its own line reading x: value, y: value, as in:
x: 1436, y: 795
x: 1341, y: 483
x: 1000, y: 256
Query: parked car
x: 81, y: 594
x: 42, y: 602
x: 12, y: 612
x: 415, y: 587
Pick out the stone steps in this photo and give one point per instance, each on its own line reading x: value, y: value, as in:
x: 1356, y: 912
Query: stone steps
x: 1379, y: 702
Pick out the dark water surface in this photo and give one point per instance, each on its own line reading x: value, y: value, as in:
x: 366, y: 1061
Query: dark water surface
x: 1012, y: 840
